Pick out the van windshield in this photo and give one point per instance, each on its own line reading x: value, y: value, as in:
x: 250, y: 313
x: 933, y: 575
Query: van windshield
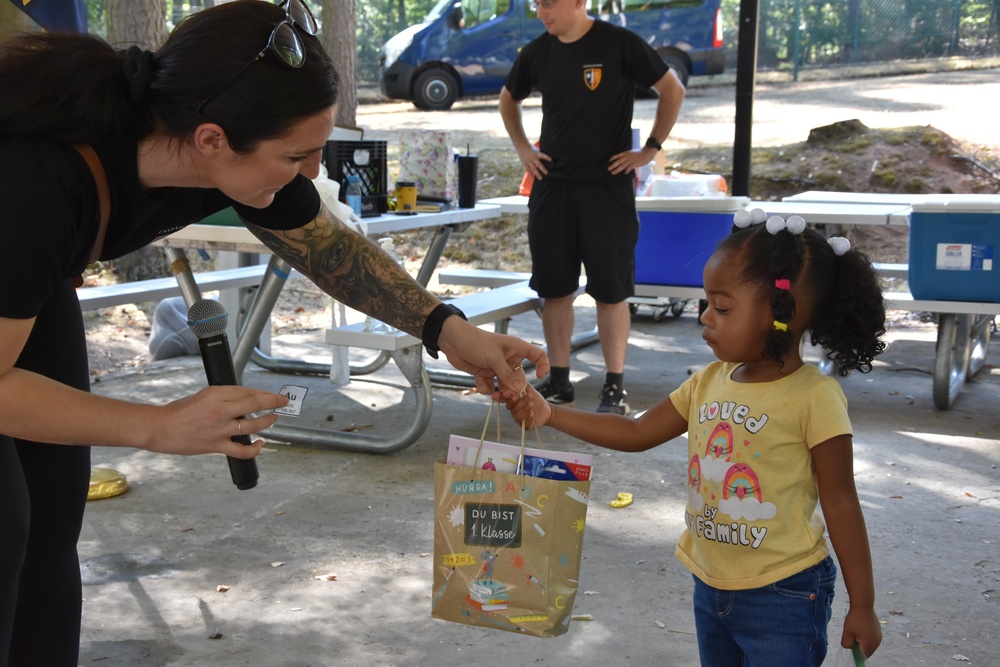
x: 438, y: 10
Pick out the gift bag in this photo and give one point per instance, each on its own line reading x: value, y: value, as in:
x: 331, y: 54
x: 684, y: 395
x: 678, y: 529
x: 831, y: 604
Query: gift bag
x: 428, y: 159
x: 507, y: 546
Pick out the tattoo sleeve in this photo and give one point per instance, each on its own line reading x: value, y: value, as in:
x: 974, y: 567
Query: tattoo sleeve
x: 352, y: 269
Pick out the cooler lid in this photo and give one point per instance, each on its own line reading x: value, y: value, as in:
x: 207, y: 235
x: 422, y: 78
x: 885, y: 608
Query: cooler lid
x: 692, y: 204
x: 987, y: 204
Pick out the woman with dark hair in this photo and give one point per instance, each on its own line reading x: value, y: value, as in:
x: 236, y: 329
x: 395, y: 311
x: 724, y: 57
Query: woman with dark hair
x: 233, y: 110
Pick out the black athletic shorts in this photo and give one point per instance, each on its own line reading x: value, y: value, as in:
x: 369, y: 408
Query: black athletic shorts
x: 570, y: 223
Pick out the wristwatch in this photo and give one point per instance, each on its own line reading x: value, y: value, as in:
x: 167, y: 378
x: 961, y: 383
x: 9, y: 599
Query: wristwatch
x: 654, y: 144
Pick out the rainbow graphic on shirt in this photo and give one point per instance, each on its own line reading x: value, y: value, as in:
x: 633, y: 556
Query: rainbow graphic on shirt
x: 720, y: 443
x: 741, y: 482
x: 742, y: 495
x: 694, y: 474
x: 695, y: 500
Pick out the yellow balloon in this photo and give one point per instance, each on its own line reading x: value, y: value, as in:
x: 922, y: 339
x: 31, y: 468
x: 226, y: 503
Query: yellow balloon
x: 106, y: 483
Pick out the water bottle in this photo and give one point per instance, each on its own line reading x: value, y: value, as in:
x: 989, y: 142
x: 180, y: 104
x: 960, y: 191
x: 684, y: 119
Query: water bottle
x: 353, y: 193
x: 389, y: 247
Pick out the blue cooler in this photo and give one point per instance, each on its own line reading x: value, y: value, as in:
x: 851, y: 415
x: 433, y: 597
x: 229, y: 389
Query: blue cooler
x: 953, y: 244
x: 677, y: 235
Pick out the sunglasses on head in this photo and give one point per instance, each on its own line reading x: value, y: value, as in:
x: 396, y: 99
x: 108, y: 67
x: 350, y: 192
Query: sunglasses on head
x: 284, y: 42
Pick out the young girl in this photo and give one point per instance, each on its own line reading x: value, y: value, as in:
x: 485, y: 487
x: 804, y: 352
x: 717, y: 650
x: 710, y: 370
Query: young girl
x: 769, y: 444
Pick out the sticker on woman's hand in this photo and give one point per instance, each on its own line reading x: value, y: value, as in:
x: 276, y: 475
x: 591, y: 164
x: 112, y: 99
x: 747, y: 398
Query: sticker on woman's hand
x: 295, y: 396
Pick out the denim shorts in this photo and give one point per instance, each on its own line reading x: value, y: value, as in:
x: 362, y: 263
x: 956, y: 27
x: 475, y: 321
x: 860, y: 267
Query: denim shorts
x: 781, y: 624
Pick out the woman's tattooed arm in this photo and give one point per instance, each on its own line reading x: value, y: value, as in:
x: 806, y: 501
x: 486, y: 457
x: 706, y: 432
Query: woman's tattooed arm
x: 353, y: 270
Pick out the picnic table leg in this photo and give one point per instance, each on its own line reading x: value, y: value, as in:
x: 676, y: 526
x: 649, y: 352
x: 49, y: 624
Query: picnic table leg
x: 259, y: 312
x: 181, y: 269
x: 434, y: 251
x: 410, y: 363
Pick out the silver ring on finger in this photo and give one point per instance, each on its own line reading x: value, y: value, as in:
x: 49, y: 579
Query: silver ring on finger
x: 239, y: 427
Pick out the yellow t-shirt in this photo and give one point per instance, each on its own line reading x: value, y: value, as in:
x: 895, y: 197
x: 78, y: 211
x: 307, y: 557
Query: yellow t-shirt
x: 753, y: 513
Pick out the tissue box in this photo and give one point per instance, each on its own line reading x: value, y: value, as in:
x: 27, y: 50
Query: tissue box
x: 428, y: 159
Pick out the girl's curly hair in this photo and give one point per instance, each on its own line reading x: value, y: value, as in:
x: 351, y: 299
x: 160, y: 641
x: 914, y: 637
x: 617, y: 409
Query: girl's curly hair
x: 843, y: 292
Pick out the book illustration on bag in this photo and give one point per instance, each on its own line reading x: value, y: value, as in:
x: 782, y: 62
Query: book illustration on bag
x: 499, y: 457
x: 488, y: 606
x: 486, y: 594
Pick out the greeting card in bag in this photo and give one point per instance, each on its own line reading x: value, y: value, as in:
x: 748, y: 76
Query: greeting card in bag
x: 507, y: 549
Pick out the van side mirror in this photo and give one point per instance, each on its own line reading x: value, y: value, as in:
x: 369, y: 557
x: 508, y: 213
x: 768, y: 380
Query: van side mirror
x: 456, y: 21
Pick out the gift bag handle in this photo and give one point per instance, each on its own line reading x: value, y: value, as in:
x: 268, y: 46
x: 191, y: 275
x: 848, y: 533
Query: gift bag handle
x: 482, y: 438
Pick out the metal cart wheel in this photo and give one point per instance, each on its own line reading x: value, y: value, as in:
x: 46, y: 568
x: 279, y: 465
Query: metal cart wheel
x: 951, y: 357
x: 674, y: 309
x: 980, y: 347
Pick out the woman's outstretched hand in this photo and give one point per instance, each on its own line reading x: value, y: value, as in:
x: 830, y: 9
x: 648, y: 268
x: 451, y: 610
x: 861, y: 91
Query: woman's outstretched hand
x: 205, y: 422
x: 488, y: 355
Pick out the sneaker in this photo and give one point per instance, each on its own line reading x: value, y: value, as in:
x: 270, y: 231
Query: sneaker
x: 556, y: 395
x: 613, y: 400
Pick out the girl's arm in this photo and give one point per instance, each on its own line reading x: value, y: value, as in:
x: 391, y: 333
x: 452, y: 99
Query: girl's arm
x: 355, y: 271
x: 845, y: 522
x: 656, y: 426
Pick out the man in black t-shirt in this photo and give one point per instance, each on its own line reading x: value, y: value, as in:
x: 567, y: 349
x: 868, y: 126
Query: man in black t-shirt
x: 582, y: 203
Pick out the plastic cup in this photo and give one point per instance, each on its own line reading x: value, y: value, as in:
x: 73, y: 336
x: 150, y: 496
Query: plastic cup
x: 468, y: 173
x: 406, y: 196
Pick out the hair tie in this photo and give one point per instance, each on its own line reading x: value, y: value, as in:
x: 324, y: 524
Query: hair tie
x: 795, y: 224
x: 783, y: 283
x: 839, y: 244
x: 780, y: 326
x: 138, y: 71
x: 745, y: 217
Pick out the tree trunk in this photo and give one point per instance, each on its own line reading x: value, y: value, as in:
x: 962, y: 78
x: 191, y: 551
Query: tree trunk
x: 140, y: 22
x: 340, y: 41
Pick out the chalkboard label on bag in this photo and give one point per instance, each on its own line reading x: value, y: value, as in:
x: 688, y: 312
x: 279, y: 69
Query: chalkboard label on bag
x: 493, y: 525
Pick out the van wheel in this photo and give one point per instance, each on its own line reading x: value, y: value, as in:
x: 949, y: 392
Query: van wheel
x: 435, y: 90
x: 680, y: 67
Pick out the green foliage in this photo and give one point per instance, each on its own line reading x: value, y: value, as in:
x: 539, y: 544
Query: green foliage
x: 802, y: 33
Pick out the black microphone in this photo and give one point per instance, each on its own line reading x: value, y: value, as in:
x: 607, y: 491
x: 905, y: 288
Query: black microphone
x: 208, y: 320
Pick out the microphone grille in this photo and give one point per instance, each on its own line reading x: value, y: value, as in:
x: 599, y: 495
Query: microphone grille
x: 207, y: 318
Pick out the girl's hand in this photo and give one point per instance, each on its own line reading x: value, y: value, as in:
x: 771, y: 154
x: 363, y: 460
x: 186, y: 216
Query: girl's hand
x: 205, y: 422
x: 531, y: 410
x: 862, y: 626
